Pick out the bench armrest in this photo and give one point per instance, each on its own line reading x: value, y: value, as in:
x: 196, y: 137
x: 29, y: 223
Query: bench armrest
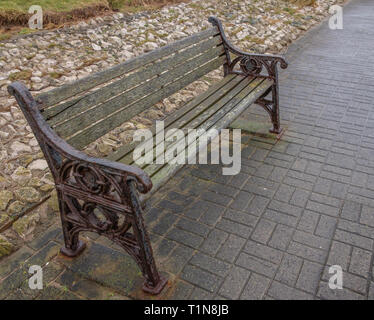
x: 64, y: 160
x: 250, y: 63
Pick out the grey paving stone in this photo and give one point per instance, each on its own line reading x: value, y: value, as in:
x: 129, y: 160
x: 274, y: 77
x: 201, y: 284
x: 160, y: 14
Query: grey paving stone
x: 278, y: 174
x: 322, y: 208
x: 280, y: 291
x: 234, y: 283
x: 263, y: 252
x: 325, y: 292
x: 326, y: 226
x: 231, y: 248
x: 353, y: 239
x: 281, y: 237
x: 340, y: 254
x: 356, y: 228
x: 281, y: 218
x: 212, y: 215
x: 300, y: 197
x: 241, y: 217
x: 257, y: 265
x: 234, y: 228
x: 241, y: 200
x: 201, y: 278
x: 289, y: 270
x: 263, y: 231
x: 367, y: 216
x: 351, y: 210
x: 309, y: 277
x: 285, y: 208
x: 307, y: 252
x: 311, y: 240
x: 284, y: 193
x: 213, y: 265
x: 185, y: 237
x: 216, y: 198
x: 165, y: 223
x: 255, y: 288
x: 194, y: 227
x: 164, y: 247
x: 308, y: 221
x: 178, y: 259
x: 257, y: 205
x: 182, y: 290
x: 201, y: 294
x: 213, y: 242
x: 360, y: 262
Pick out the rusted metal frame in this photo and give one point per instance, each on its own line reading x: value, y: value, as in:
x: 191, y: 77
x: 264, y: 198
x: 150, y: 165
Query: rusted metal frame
x: 84, y: 185
x: 251, y: 64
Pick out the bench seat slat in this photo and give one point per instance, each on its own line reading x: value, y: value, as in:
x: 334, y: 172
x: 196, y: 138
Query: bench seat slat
x: 94, y: 132
x: 126, y: 100
x: 207, y: 119
x: 72, y: 89
x: 192, y: 118
x: 161, y: 174
x: 67, y: 110
x: 225, y: 84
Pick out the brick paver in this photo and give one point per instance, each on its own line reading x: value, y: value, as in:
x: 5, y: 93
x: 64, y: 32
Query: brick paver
x: 298, y: 206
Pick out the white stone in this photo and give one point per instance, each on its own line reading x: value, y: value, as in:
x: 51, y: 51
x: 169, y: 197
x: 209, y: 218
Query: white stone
x: 96, y: 47
x: 20, y: 147
x: 149, y: 46
x: 36, y: 79
x: 39, y: 164
x: 4, y: 135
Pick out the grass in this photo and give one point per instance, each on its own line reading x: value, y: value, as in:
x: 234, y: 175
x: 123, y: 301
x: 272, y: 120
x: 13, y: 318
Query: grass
x: 68, y: 5
x: 47, y: 5
x: 21, y: 75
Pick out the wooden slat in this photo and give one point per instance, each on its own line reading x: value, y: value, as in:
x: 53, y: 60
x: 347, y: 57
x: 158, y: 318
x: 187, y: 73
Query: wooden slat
x: 193, y: 118
x: 89, y: 135
x: 69, y: 109
x: 207, y: 119
x: 217, y: 89
x: 69, y: 90
x: 160, y: 176
x: 127, y: 99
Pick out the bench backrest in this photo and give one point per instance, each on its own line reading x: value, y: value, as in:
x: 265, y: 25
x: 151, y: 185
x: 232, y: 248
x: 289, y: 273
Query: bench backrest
x: 85, y: 110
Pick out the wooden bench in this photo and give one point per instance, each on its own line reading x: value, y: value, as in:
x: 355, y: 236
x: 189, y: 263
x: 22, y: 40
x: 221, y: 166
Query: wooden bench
x: 102, y: 195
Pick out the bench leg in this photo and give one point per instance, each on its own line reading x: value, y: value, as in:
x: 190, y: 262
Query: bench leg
x: 80, y: 215
x: 275, y: 110
x: 154, y: 282
x: 73, y: 246
x: 272, y: 107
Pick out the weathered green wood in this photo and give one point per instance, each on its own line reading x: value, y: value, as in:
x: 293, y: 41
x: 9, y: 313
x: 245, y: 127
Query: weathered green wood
x: 193, y: 118
x: 190, y: 113
x: 69, y: 90
x: 216, y: 89
x: 99, y: 129
x: 71, y: 108
x: 209, y: 117
x: 161, y: 173
x: 126, y: 99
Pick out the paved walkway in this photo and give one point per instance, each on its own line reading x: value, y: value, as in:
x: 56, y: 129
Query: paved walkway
x: 298, y: 206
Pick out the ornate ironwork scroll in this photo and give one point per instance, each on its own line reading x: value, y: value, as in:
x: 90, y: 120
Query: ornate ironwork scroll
x: 254, y: 65
x: 94, y: 194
